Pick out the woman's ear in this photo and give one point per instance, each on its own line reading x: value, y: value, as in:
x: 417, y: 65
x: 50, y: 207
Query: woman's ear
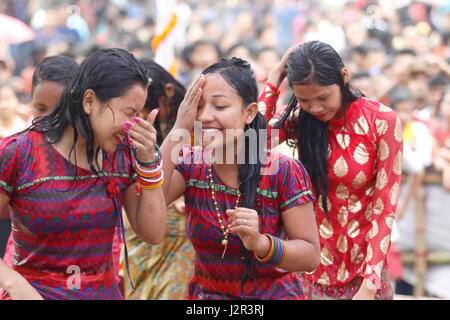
x: 346, y: 75
x: 169, y: 90
x: 89, y: 99
x: 250, y: 112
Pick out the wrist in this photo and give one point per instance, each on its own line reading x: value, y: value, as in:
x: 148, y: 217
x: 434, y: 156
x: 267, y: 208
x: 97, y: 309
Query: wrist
x: 263, y: 245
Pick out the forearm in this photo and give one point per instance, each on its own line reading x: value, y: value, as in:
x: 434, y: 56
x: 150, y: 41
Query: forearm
x: 170, y: 150
x: 16, y: 285
x: 150, y: 216
x: 299, y: 255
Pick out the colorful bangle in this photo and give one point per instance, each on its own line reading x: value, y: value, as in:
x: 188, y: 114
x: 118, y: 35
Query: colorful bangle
x: 148, y: 173
x: 275, y: 253
x: 274, y: 89
x: 151, y: 187
x: 269, y: 254
x: 147, y: 181
x: 151, y: 163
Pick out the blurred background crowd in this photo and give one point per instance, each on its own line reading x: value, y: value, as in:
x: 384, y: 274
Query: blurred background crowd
x: 397, y: 51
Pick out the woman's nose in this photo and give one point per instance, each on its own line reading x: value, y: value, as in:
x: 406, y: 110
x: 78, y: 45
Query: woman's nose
x: 205, y: 114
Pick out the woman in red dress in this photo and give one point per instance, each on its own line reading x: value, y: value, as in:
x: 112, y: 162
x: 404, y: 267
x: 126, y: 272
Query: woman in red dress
x: 352, y: 149
x: 67, y: 177
x: 252, y: 226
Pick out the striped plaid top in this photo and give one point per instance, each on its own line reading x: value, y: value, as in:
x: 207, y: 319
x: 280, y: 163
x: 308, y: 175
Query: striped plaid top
x: 62, y: 226
x: 284, y: 184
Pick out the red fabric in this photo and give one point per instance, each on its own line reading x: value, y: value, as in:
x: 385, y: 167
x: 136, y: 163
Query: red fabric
x: 364, y: 181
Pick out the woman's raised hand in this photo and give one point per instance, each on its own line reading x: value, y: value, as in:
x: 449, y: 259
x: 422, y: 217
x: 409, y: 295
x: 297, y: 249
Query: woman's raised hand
x: 278, y: 73
x: 188, y: 107
x: 142, y: 136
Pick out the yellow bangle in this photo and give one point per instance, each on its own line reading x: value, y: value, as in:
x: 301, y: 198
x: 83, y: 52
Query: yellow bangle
x: 159, y: 184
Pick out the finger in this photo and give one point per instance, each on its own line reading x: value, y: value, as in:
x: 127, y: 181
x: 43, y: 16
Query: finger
x: 152, y: 116
x: 241, y: 229
x: 194, y: 86
x: 143, y: 128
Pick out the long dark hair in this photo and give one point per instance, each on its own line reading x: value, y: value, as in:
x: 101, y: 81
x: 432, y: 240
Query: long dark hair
x: 315, y: 62
x: 156, y: 90
x: 239, y: 75
x: 109, y: 73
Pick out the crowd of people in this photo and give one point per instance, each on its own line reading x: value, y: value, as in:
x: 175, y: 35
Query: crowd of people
x: 358, y: 157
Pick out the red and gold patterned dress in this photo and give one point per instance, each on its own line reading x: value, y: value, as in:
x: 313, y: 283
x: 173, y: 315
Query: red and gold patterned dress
x: 364, y: 162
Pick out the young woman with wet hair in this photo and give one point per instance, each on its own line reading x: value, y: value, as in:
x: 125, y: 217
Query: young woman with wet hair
x: 352, y: 149
x: 251, y: 228
x: 67, y: 177
x: 163, y: 271
x: 50, y: 78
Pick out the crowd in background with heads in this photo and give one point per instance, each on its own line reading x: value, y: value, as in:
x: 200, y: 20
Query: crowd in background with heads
x: 397, y: 52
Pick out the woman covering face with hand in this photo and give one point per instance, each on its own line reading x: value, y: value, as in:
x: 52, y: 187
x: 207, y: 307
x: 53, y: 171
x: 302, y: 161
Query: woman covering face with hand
x: 251, y: 228
x: 67, y: 177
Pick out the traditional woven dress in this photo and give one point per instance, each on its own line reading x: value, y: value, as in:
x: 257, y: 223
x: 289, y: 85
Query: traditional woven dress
x: 63, y: 227
x: 285, y: 184
x: 364, y: 171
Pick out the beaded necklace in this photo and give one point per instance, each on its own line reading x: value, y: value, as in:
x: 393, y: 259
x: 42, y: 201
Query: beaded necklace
x: 224, y: 229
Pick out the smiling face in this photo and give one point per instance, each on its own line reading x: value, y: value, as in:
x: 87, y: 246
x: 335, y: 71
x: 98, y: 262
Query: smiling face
x: 222, y: 112
x: 322, y: 102
x: 45, y: 97
x: 108, y: 119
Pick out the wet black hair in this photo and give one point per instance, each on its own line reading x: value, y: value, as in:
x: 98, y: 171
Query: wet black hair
x: 110, y: 73
x: 240, y: 76
x: 315, y: 62
x: 59, y: 69
x: 156, y: 90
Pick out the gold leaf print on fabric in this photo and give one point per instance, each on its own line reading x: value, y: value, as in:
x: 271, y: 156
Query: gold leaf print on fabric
x: 359, y: 181
x: 342, y: 192
x: 361, y: 155
x: 320, y: 203
x: 362, y: 126
x: 354, y: 205
x: 268, y: 92
x: 262, y: 107
x: 329, y: 151
x: 369, y: 253
x: 379, y: 206
x: 343, y: 216
x: 340, y: 168
x: 369, y: 191
x: 368, y: 212
x: 343, y: 140
x: 398, y: 163
x: 398, y: 131
x: 324, y: 279
x: 326, y: 258
x: 373, y: 231
x: 382, y: 179
x: 395, y: 190
x: 326, y: 229
x: 384, y: 244
x: 353, y: 229
x: 342, y: 243
x: 356, y: 255
x: 390, y: 221
x: 384, y: 108
x: 382, y: 126
x: 342, y: 272
x: 383, y: 150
